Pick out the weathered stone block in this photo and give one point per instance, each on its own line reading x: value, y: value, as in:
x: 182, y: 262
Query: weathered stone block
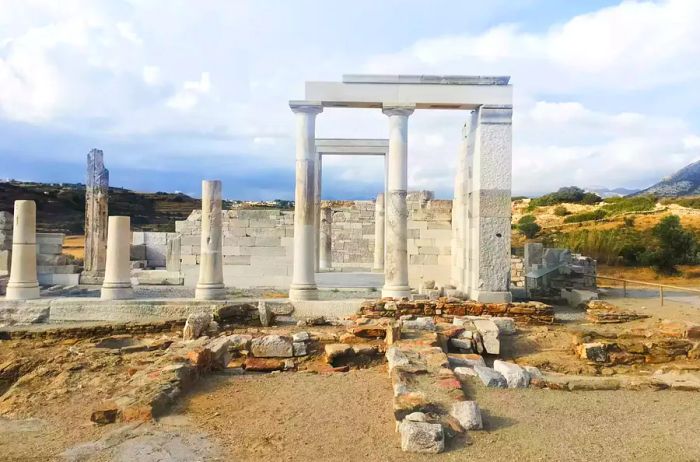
x: 490, y: 377
x: 467, y: 414
x: 272, y: 346
x: 515, y: 376
x: 421, y: 437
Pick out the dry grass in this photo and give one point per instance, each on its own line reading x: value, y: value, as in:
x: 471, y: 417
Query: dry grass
x: 74, y: 246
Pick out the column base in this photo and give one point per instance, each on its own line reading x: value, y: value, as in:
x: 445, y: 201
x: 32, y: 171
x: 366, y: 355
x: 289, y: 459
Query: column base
x: 92, y: 277
x: 21, y: 293
x: 210, y: 292
x: 396, y: 291
x: 483, y: 296
x: 300, y: 293
x: 117, y: 292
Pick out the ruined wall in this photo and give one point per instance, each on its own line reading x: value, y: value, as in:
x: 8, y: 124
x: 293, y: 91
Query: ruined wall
x: 151, y: 247
x: 429, y: 238
x: 352, y: 234
x: 257, y: 247
x: 517, y: 271
x: 6, y: 222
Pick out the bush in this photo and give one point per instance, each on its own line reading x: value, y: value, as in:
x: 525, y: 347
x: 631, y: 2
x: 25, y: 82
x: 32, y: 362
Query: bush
x: 675, y: 246
x: 570, y: 194
x: 609, y: 246
x: 617, y: 205
x: 561, y: 211
x: 529, y: 229
x: 690, y: 202
x: 628, y: 222
x: 526, y: 219
x: 586, y: 216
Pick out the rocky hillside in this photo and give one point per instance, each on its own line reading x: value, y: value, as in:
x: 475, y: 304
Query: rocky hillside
x: 685, y: 182
x: 61, y: 206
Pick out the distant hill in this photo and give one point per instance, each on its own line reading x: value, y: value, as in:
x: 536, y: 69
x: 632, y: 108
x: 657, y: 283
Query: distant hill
x: 61, y: 206
x: 614, y: 192
x: 685, y: 182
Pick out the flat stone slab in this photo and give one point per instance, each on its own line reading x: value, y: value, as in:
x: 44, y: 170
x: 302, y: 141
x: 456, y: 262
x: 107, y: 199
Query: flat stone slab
x: 272, y: 346
x: 515, y: 376
x: 421, y: 437
x: 490, y: 377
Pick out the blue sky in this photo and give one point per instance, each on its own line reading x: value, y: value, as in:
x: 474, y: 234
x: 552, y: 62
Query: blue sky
x: 177, y: 91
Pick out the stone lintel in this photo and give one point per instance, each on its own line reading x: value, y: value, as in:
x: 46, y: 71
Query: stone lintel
x: 427, y: 79
x: 310, y: 107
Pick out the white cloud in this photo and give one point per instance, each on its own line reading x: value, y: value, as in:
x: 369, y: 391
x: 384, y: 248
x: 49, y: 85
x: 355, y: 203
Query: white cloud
x: 151, y: 75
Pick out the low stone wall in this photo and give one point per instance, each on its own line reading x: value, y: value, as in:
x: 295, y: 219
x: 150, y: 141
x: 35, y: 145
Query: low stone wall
x: 527, y: 312
x: 151, y: 247
x: 517, y: 271
x: 54, y: 268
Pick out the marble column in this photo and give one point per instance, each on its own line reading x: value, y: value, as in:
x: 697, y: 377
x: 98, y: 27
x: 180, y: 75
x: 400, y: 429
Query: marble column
x: 303, y: 286
x: 23, y: 283
x: 326, y: 258
x: 458, y: 253
x: 117, y: 279
x: 396, y: 241
x: 378, y: 266
x: 211, y: 273
x: 489, y: 220
x: 317, y: 213
x: 96, y: 198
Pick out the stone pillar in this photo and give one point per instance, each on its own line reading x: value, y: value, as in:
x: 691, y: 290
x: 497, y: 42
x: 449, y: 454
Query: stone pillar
x: 396, y: 255
x: 317, y: 213
x: 303, y: 286
x: 326, y: 244
x: 173, y: 254
x: 23, y: 283
x: 489, y: 245
x: 211, y: 273
x: 96, y: 198
x: 378, y: 265
x: 117, y: 279
x: 459, y: 212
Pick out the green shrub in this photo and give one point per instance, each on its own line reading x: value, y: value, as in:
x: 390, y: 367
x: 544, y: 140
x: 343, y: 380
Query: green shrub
x: 586, y: 216
x: 628, y: 222
x: 529, y: 229
x: 609, y: 246
x: 561, y: 211
x: 618, y: 205
x: 569, y: 194
x: 692, y: 202
x: 526, y: 219
x: 675, y: 246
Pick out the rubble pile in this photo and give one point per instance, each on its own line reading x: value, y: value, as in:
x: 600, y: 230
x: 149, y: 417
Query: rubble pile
x: 602, y: 312
x: 448, y: 307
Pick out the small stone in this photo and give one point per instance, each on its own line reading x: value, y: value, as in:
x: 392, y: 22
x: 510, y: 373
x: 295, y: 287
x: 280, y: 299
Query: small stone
x: 490, y: 377
x: 462, y: 344
x: 196, y: 325
x: 467, y: 414
x: 220, y: 355
x: 417, y: 417
x: 515, y: 376
x: 265, y: 314
x: 301, y: 337
x: 489, y: 334
x: 421, y: 437
x: 365, y: 349
x: 396, y: 357
x: 534, y: 373
x: 105, y: 414
x: 240, y: 341
x: 506, y: 326
x: 213, y: 328
x: 272, y: 346
x: 595, y: 351
x: 468, y: 360
x: 421, y: 323
x: 464, y: 372
x: 299, y: 348
x: 371, y: 331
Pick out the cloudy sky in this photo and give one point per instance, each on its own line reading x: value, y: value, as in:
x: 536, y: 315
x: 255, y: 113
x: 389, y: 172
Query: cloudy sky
x: 174, y: 91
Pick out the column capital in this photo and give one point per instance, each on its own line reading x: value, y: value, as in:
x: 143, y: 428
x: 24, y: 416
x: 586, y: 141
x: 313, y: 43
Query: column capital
x: 306, y: 107
x: 398, y: 109
x: 497, y: 115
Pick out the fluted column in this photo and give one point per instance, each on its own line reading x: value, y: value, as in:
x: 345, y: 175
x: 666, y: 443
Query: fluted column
x: 396, y: 256
x: 303, y: 286
x: 326, y: 259
x: 317, y: 213
x: 211, y: 274
x: 117, y: 280
x: 23, y: 283
x: 458, y: 253
x: 378, y: 266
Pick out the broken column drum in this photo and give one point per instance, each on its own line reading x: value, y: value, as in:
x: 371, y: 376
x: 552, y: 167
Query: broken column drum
x: 378, y: 265
x: 326, y: 259
x: 96, y: 204
x: 303, y: 286
x: 117, y: 280
x: 396, y: 212
x: 23, y: 283
x: 211, y: 274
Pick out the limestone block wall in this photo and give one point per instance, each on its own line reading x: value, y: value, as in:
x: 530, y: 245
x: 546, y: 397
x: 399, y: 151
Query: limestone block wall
x: 352, y: 234
x: 52, y: 266
x: 429, y: 238
x: 257, y: 247
x: 151, y: 246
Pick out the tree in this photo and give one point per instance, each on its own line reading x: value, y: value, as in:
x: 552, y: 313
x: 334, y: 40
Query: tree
x: 561, y: 211
x: 529, y: 229
x: 675, y: 246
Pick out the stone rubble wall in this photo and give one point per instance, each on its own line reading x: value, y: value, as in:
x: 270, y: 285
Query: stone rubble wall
x: 517, y: 271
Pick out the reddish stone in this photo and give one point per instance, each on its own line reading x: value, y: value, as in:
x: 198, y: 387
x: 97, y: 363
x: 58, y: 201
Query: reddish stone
x: 372, y: 331
x: 449, y: 384
x: 693, y: 331
x: 263, y: 364
x: 106, y: 413
x: 202, y: 358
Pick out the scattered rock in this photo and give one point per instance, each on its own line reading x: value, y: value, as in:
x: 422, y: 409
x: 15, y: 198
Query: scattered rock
x: 301, y: 337
x: 421, y: 323
x: 467, y: 360
x: 462, y: 344
x: 534, y: 373
x: 299, y: 349
x: 421, y: 437
x: 220, y: 355
x: 272, y: 346
x: 417, y: 417
x: 463, y: 372
x: 369, y: 331
x: 396, y: 357
x: 516, y: 376
x: 506, y: 326
x: 337, y: 350
x: 468, y: 415
x: 594, y: 351
x: 240, y: 341
x: 196, y: 325
x: 490, y: 377
x: 265, y: 314
x: 489, y: 334
x: 105, y: 414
